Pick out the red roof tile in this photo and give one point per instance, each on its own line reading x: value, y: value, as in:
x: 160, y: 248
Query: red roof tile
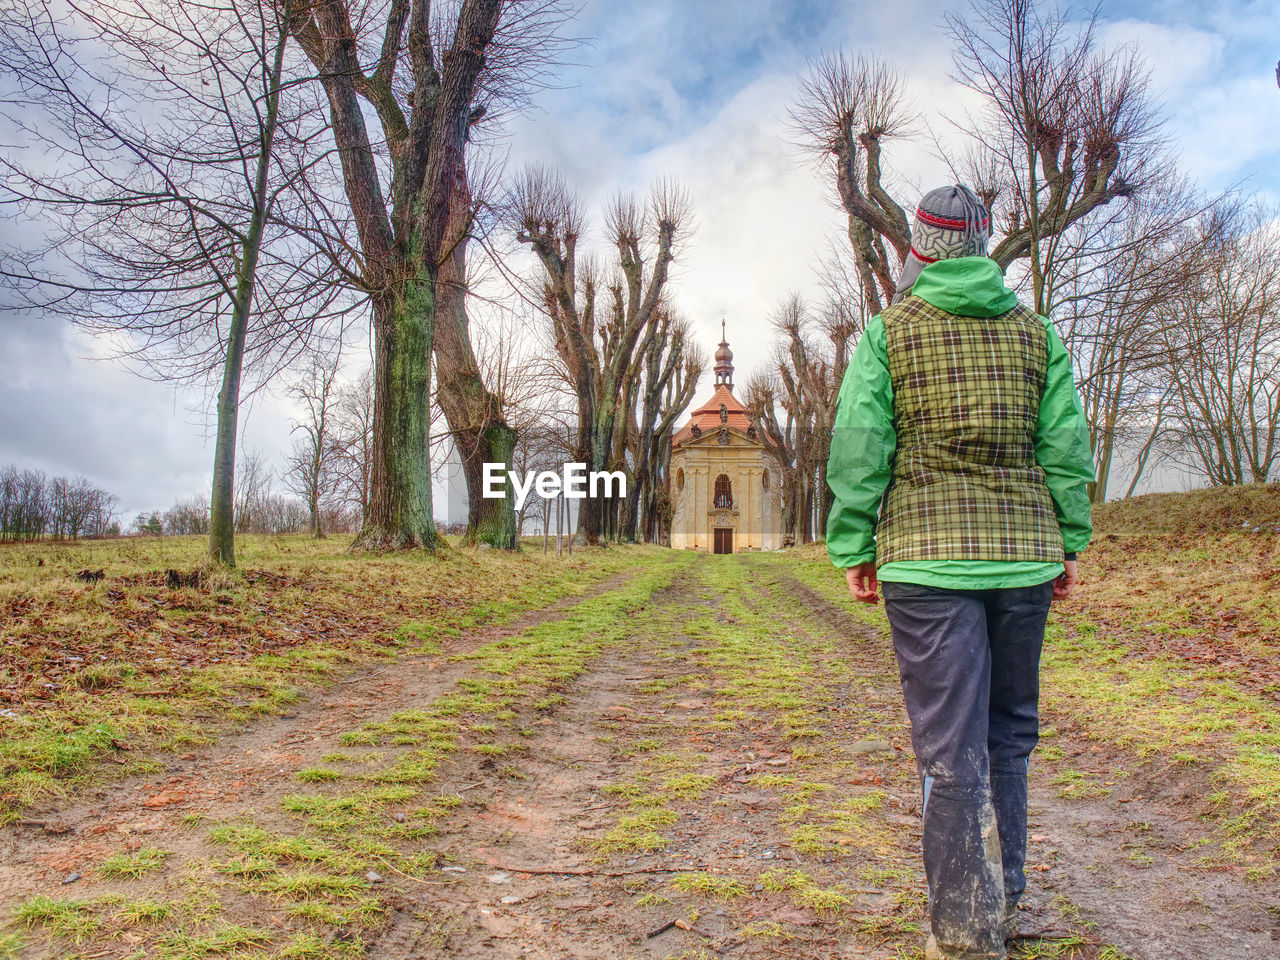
x: 707, y: 416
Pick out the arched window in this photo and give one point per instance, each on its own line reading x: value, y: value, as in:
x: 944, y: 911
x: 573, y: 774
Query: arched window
x: 724, y: 491
x: 764, y: 480
x: 680, y: 478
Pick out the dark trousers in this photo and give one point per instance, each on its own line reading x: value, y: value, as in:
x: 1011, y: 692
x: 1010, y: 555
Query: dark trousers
x: 970, y: 667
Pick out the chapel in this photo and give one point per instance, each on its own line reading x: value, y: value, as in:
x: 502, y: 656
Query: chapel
x: 724, y: 485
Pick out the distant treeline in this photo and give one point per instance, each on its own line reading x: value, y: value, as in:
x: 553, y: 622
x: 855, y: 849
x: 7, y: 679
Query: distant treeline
x: 265, y: 512
x: 33, y: 505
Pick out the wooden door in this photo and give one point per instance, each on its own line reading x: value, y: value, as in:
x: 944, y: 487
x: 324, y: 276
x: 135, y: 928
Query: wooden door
x: 723, y: 541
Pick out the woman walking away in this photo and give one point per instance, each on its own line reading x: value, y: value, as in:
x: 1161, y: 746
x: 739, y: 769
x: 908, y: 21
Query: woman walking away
x: 959, y: 461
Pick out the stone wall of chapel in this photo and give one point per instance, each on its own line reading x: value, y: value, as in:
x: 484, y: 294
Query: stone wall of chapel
x: 755, y: 517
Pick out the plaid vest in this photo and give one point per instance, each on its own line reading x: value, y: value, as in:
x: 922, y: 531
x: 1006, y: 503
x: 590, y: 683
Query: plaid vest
x: 966, y: 399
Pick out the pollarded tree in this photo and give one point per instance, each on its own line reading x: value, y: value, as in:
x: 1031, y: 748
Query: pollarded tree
x: 598, y: 318
x: 663, y: 380
x: 428, y: 76
x: 803, y: 378
x: 1067, y: 127
x: 1063, y: 129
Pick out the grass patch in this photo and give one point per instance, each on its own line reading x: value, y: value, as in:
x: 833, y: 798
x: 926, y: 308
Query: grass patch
x: 130, y: 866
x: 74, y: 919
x: 709, y: 885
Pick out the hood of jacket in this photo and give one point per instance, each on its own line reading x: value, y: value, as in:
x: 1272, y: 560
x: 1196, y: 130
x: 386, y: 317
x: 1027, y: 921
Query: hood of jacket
x: 965, y: 286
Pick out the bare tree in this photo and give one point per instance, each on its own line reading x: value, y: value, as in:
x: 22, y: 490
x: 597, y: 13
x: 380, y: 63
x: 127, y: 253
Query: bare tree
x: 429, y: 77
x: 1119, y: 280
x: 1067, y: 127
x: 849, y: 108
x: 22, y: 504
x: 544, y: 444
x: 1064, y: 130
x: 1226, y: 354
x: 670, y: 364
x: 309, y: 472
x: 33, y: 505
x: 783, y: 439
x: 596, y: 341
x: 187, y: 517
x: 253, y: 489
x: 163, y: 223
x: 351, y: 438
x: 803, y: 379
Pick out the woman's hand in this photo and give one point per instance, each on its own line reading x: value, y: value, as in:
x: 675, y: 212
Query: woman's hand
x: 862, y: 582
x: 1066, y: 580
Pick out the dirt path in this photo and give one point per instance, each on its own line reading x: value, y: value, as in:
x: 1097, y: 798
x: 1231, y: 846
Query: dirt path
x: 707, y: 759
x: 1127, y: 867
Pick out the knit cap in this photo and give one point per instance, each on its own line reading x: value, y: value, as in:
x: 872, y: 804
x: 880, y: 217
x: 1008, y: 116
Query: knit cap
x: 950, y: 222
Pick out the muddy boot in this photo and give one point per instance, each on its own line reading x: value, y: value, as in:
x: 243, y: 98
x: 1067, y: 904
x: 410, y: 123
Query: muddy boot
x: 934, y: 951
x: 1010, y: 922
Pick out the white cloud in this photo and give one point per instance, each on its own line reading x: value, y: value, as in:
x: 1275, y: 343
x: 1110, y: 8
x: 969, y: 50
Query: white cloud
x: 1180, y: 58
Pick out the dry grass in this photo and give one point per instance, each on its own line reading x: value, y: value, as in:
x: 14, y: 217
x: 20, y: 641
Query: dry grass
x: 1194, y: 514
x: 128, y: 661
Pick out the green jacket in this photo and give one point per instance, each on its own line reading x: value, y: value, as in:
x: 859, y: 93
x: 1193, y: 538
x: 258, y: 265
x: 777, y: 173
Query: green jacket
x: 860, y: 466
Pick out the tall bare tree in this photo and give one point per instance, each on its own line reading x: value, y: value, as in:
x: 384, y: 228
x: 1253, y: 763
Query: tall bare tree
x: 803, y: 378
x: 352, y: 442
x: 598, y: 318
x: 1067, y: 127
x: 162, y: 223
x: 429, y: 76
x: 309, y: 470
x: 849, y: 109
x: 664, y: 378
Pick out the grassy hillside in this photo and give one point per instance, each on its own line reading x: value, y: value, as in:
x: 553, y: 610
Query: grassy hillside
x: 114, y: 648
x: 1253, y: 508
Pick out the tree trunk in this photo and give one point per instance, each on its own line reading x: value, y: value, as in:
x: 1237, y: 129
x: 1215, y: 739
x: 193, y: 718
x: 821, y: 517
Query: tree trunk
x: 313, y: 508
x: 826, y: 498
x: 639, y: 487
x: 590, y: 518
x: 601, y: 442
x: 222, y: 496
x: 400, y: 498
x: 480, y: 432
x: 491, y: 521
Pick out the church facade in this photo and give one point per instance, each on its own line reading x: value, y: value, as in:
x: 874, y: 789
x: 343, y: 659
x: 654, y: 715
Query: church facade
x: 724, y: 485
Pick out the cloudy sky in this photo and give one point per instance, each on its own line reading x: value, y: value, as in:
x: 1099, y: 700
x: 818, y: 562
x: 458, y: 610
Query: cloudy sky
x: 697, y: 90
